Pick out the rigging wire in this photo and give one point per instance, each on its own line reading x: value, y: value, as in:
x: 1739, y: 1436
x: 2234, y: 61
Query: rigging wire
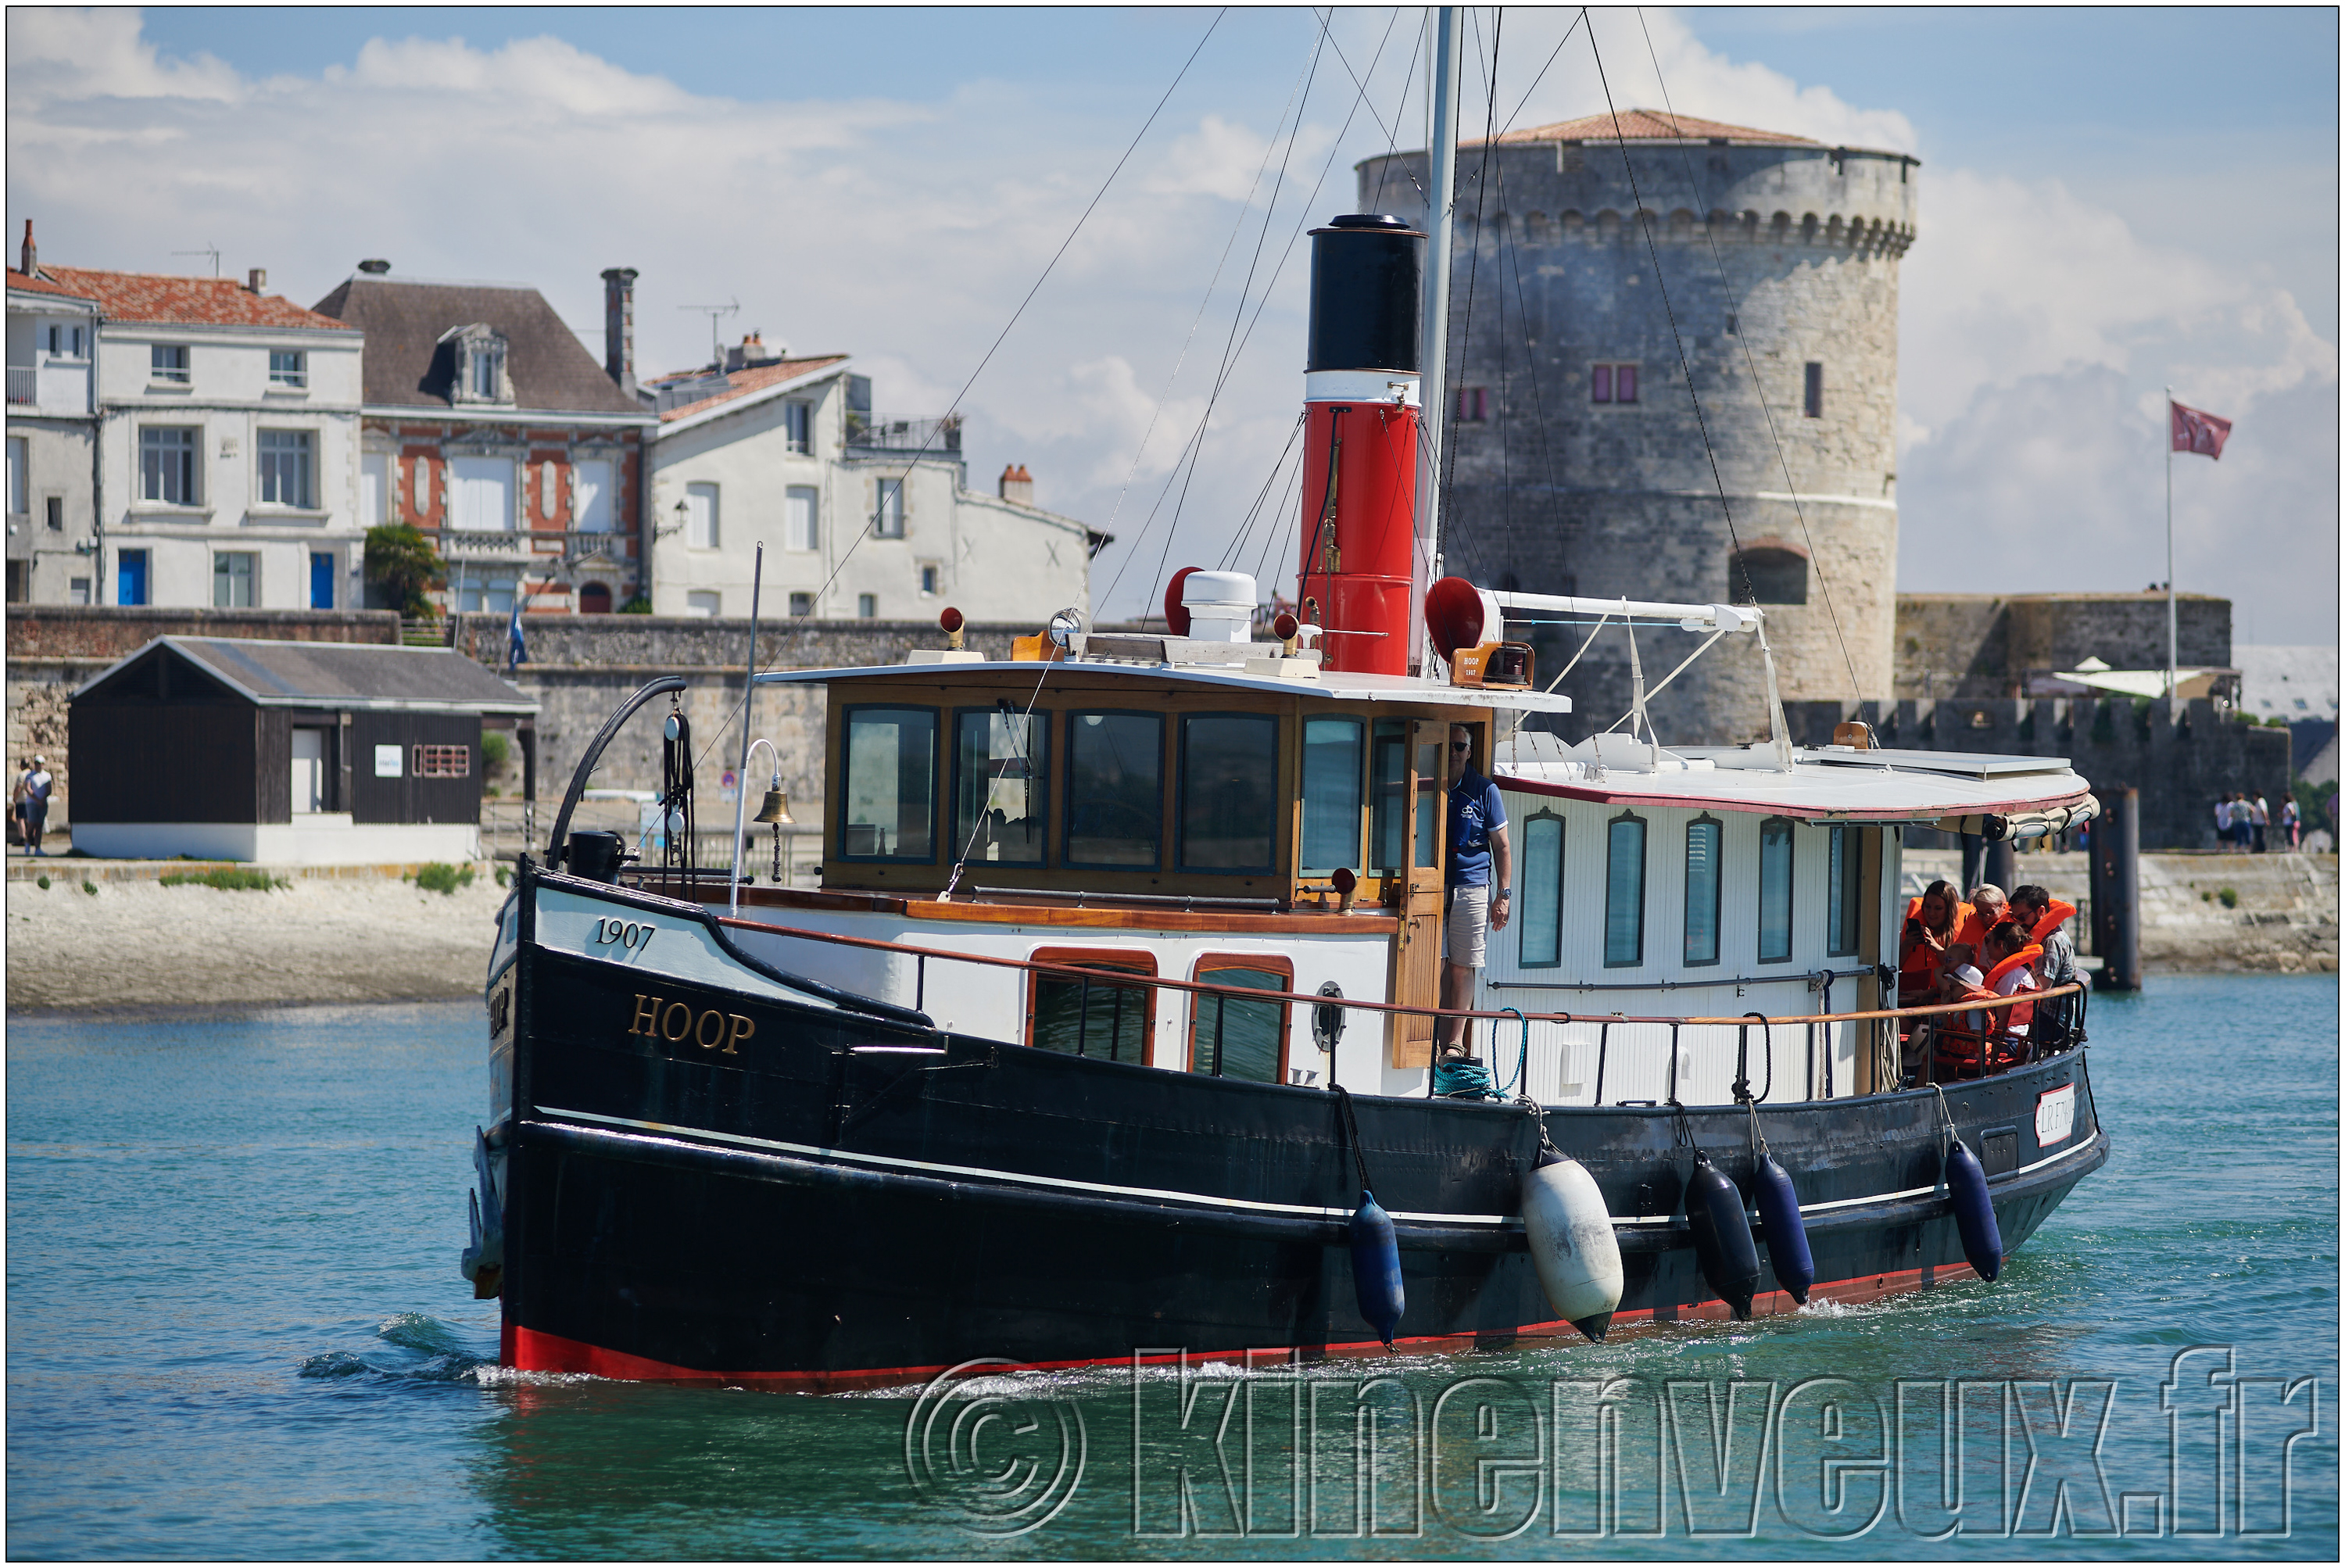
x: 1245, y: 534
x: 1400, y: 111
x: 1392, y: 132
x: 1530, y: 361
x: 1481, y: 190
x: 1287, y: 508
x: 1751, y: 367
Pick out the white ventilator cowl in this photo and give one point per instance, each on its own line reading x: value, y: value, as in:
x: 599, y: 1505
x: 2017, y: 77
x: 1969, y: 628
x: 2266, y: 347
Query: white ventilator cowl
x: 1220, y: 605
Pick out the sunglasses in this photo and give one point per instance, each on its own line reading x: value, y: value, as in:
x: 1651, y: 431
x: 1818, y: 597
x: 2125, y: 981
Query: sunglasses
x: 1461, y: 746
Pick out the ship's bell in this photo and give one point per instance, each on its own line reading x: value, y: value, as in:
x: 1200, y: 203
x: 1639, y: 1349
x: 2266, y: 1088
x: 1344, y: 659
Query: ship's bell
x: 776, y: 808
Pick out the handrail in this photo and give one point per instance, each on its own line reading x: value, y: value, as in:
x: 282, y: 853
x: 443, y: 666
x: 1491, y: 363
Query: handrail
x: 1079, y: 971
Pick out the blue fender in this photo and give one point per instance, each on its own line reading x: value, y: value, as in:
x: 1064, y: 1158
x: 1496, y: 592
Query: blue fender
x: 1721, y: 1236
x: 1786, y: 1234
x: 1375, y: 1268
x: 1974, y: 1212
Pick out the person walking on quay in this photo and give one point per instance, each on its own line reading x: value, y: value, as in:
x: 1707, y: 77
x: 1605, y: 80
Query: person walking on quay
x: 2291, y: 824
x: 33, y: 796
x: 2222, y: 824
x: 2259, y: 821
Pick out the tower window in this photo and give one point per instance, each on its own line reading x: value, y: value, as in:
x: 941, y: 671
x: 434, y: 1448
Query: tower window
x: 1473, y: 404
x: 1815, y: 401
x: 1768, y: 572
x: 1612, y: 383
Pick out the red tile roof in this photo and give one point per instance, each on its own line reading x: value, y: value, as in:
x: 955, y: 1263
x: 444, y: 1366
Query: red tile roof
x: 187, y: 301
x: 41, y: 286
x: 740, y: 383
x: 1647, y: 125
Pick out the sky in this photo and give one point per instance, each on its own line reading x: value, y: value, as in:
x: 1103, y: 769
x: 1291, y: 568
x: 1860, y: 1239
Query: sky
x: 2113, y: 201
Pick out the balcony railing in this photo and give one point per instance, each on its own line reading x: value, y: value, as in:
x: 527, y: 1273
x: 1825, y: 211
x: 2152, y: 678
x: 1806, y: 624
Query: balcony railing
x: 23, y: 385
x: 884, y: 432
x: 572, y: 545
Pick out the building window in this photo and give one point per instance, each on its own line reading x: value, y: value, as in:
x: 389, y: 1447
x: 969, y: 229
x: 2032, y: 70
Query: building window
x: 931, y: 579
x: 1612, y: 383
x: 1334, y: 776
x: 55, y: 507
x: 130, y: 577
x: 1228, y: 791
x: 285, y: 468
x: 801, y: 603
x: 1000, y: 773
x: 288, y: 368
x: 1775, y: 889
x: 477, y: 370
x: 797, y: 422
x: 167, y: 465
x: 488, y: 369
x: 889, y: 783
x: 168, y: 363
x: 589, y: 495
x: 1083, y: 1017
x: 801, y: 529
x: 19, y: 481
x: 1540, y: 898
x: 1705, y: 845
x: 321, y: 579
x: 1234, y: 1036
x: 481, y: 493
x: 1473, y: 404
x: 232, y: 579
x: 77, y: 589
x: 867, y: 607
x: 1767, y: 573
x: 1624, y: 891
x: 66, y: 342
x: 1115, y: 778
x: 705, y: 603
x: 888, y: 518
x: 1847, y: 895
x: 442, y: 762
x: 1815, y: 390
x: 375, y: 489
x: 700, y: 517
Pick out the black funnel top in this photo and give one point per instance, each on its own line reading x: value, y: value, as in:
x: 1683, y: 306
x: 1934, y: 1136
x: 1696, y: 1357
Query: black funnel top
x: 1367, y: 294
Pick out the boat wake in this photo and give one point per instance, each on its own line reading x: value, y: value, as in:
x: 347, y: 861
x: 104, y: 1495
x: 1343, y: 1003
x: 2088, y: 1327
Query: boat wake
x: 410, y: 1348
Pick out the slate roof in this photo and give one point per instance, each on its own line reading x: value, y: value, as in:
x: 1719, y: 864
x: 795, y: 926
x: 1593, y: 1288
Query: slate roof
x: 339, y: 675
x: 164, y: 298
x: 1647, y: 125
x: 407, y: 366
x: 742, y: 383
x: 31, y: 285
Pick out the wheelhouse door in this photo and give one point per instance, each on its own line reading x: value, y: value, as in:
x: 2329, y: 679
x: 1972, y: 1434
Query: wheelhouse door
x: 1409, y: 832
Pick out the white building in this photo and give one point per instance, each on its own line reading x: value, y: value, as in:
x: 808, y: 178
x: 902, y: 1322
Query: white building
x: 227, y: 433
x: 862, y: 516
x: 52, y: 540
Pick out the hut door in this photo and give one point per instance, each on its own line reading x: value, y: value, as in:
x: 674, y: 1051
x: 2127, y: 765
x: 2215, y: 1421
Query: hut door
x: 308, y: 770
x: 1416, y: 956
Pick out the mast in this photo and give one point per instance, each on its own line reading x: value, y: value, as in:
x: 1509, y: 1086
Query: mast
x: 2173, y: 641
x: 1432, y: 363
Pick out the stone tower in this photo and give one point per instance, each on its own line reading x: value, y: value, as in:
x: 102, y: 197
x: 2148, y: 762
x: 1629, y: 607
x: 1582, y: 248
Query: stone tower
x: 1577, y: 463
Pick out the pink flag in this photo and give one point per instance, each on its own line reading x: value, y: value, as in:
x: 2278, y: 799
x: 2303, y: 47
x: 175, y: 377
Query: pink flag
x: 2197, y: 431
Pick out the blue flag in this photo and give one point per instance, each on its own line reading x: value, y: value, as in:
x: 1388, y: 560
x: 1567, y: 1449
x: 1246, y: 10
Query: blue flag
x: 516, y: 649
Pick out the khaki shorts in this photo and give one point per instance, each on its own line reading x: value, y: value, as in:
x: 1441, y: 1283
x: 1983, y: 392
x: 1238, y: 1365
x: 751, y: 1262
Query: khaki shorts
x: 1467, y: 931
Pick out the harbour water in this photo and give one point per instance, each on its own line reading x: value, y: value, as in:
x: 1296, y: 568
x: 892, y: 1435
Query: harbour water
x: 235, y: 1328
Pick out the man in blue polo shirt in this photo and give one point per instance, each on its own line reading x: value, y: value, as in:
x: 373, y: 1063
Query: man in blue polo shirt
x: 1476, y: 903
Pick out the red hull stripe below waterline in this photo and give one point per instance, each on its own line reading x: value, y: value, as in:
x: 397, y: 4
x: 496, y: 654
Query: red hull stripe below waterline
x: 530, y: 1351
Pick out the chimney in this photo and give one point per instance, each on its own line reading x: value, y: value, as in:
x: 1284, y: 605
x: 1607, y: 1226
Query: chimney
x: 256, y: 280
x: 1018, y: 485
x: 619, y: 327
x: 31, y: 267
x: 374, y: 267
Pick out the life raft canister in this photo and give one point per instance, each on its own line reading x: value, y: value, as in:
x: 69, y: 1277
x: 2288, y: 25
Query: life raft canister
x: 1721, y: 1236
x: 1786, y: 1233
x: 1571, y: 1243
x: 1375, y: 1268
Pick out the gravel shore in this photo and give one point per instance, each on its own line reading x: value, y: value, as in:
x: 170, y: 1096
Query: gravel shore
x: 140, y: 944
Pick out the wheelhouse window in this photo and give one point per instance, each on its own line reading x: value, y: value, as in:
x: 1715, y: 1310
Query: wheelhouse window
x: 1228, y: 791
x: 888, y: 809
x: 1538, y: 897
x: 1001, y: 769
x: 1388, y: 798
x: 167, y: 465
x: 1705, y: 841
x: 1234, y: 1036
x: 1624, y: 891
x: 1334, y: 779
x: 1847, y: 891
x: 285, y: 468
x: 1085, y: 1017
x: 1775, y: 889
x: 1115, y: 785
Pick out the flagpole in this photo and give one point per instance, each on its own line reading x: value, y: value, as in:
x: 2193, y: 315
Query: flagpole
x: 2172, y: 686
x: 749, y: 695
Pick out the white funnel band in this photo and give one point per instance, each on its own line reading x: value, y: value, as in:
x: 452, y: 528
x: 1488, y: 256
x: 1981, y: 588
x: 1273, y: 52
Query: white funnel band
x: 1360, y: 386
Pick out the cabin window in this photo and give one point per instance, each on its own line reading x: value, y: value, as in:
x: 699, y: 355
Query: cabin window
x: 1116, y: 779
x: 1001, y: 766
x: 1539, y: 897
x: 1388, y: 818
x: 1228, y: 791
x: 1334, y: 768
x: 1082, y: 1016
x: 1624, y: 891
x: 1705, y: 840
x: 1432, y: 784
x: 1775, y: 889
x: 889, y: 809
x: 1232, y: 1036
x: 1847, y: 895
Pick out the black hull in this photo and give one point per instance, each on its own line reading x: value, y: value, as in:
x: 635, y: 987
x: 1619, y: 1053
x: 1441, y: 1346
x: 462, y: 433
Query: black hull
x: 823, y: 1206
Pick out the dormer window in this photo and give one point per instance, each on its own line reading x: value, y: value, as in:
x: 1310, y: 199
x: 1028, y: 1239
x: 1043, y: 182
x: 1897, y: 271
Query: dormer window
x: 480, y: 365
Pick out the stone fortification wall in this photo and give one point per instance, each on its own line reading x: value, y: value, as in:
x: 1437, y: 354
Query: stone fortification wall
x: 1774, y: 256
x: 1984, y: 645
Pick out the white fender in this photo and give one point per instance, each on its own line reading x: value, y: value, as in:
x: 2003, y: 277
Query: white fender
x: 1572, y: 1245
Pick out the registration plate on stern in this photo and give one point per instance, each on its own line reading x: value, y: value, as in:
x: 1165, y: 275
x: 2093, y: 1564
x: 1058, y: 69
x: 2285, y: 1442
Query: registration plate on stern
x: 2055, y: 1115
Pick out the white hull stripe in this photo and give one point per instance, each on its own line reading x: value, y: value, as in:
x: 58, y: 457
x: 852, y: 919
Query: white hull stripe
x: 1499, y: 1221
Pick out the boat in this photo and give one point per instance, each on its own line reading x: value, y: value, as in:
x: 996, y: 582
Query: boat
x: 1109, y: 1032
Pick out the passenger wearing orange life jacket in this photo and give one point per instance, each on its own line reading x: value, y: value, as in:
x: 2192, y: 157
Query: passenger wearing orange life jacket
x: 2045, y: 919
x: 2011, y: 955
x: 1932, y: 922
